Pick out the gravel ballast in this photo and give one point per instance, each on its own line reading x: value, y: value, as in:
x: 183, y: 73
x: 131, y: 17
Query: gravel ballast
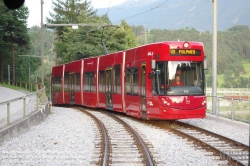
x: 65, y: 138
x: 173, y: 149
x: 229, y: 131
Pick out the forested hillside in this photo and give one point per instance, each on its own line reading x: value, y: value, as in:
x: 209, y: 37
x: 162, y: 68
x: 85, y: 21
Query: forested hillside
x: 233, y: 48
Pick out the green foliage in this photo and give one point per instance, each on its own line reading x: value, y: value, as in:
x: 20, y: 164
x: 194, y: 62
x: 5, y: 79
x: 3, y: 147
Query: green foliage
x: 233, y: 49
x: 24, y: 62
x: 14, y: 39
x: 87, y: 41
x: 12, y: 87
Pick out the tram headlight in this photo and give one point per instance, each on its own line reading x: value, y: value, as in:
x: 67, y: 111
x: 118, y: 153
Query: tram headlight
x: 186, y: 44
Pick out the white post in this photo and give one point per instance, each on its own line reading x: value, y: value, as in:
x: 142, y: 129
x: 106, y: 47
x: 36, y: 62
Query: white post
x: 214, y: 58
x: 42, y: 43
x: 9, y: 74
x: 29, y: 78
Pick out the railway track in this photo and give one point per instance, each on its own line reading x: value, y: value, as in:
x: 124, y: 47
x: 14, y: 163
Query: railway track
x: 234, y: 152
x: 119, y: 144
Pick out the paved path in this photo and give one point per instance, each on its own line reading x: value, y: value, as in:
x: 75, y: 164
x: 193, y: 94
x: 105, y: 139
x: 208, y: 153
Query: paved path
x: 16, y: 108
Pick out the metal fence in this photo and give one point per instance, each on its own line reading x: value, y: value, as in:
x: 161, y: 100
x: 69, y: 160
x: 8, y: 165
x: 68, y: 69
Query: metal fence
x: 232, y: 107
x: 229, y: 91
x: 35, y: 99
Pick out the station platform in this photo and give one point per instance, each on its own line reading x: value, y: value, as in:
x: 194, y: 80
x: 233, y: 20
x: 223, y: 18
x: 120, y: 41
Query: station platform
x: 16, y: 108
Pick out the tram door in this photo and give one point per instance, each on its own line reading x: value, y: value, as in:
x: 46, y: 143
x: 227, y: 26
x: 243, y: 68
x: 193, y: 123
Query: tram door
x: 108, y: 89
x: 71, y: 87
x: 143, y: 91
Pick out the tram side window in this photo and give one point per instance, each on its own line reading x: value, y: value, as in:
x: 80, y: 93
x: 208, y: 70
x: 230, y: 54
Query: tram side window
x: 89, y: 82
x: 117, y: 85
x: 135, y: 81
x: 77, y: 81
x: 132, y: 81
x: 66, y: 82
x: 56, y: 84
x: 128, y: 81
x: 101, y: 81
x: 159, y: 79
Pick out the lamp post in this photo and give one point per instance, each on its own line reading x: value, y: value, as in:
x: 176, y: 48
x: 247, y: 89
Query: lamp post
x: 214, y: 57
x: 42, y: 43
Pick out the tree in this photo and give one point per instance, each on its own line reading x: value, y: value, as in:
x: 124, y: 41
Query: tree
x: 87, y: 41
x: 14, y: 31
x: 69, y: 12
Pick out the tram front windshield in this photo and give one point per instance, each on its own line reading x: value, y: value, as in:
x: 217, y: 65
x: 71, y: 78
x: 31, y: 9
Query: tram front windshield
x: 178, y: 78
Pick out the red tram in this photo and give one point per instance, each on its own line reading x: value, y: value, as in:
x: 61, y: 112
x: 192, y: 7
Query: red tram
x: 141, y: 82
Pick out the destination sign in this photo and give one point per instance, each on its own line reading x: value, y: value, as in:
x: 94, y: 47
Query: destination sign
x: 183, y: 52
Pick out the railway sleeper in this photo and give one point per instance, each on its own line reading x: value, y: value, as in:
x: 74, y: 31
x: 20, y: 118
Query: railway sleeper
x: 121, y: 151
x: 190, y: 132
x: 125, y: 155
x: 121, y: 141
x: 121, y: 138
x: 211, y: 141
x: 127, y: 160
x: 224, y: 148
x: 221, y: 145
x: 125, y: 164
x: 123, y: 146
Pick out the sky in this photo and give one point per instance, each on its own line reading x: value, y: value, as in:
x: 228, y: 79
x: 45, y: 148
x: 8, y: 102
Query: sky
x: 35, y: 9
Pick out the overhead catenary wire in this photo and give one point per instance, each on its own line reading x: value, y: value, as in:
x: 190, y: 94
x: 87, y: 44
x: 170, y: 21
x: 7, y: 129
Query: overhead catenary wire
x: 108, y: 7
x: 160, y: 13
x: 143, y: 12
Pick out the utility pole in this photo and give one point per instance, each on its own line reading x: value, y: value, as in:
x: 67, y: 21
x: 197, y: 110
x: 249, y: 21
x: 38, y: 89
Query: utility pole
x: 214, y: 58
x: 42, y: 43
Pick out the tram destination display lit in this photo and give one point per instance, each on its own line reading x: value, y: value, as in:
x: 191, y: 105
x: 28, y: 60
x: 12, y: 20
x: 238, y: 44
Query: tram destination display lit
x: 183, y: 52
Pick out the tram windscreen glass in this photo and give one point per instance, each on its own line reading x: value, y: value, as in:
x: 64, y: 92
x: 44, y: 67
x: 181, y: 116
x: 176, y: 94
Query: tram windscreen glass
x: 178, y: 78
x: 185, y: 52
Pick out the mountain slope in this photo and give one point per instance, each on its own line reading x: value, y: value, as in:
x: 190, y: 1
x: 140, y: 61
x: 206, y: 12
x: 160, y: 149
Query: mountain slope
x: 175, y: 14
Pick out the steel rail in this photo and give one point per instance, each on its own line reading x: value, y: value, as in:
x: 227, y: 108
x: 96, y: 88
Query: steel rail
x: 149, y: 160
x: 105, y: 152
x: 173, y: 127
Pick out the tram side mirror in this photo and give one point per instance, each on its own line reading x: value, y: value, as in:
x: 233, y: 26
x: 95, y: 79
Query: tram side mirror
x: 205, y: 64
x: 153, y: 63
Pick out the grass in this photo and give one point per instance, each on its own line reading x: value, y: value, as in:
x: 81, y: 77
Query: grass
x: 12, y: 87
x: 220, y: 79
x: 247, y: 69
x: 246, y: 65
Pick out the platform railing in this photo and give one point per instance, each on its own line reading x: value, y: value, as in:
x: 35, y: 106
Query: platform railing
x: 231, y: 107
x: 39, y: 95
